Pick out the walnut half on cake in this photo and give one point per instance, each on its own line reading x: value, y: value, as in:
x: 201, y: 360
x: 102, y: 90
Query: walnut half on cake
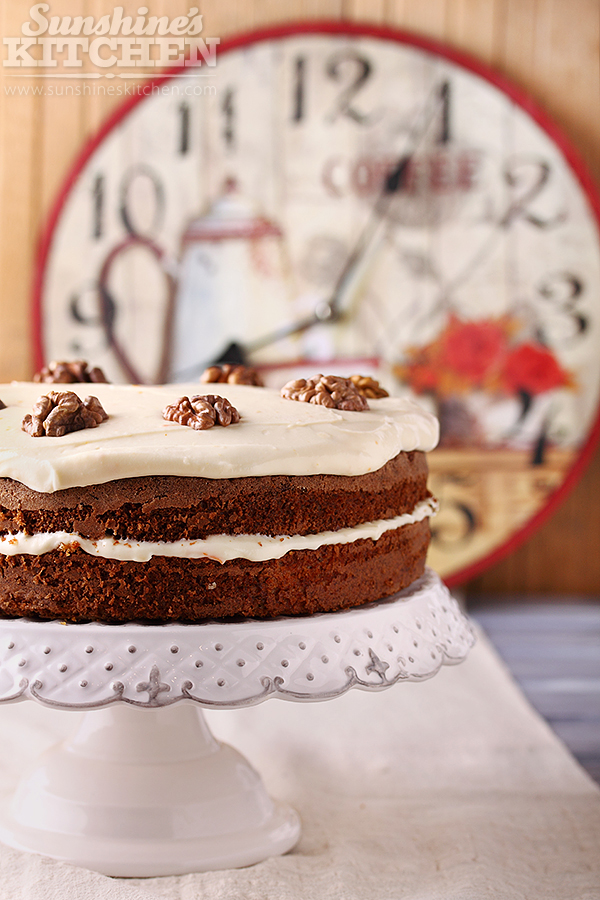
x: 293, y: 509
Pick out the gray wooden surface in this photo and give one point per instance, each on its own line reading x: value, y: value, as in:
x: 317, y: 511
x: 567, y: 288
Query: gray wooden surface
x: 553, y: 652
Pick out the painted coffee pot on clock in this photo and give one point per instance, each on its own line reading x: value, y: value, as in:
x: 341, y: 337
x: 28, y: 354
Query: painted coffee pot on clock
x: 232, y: 265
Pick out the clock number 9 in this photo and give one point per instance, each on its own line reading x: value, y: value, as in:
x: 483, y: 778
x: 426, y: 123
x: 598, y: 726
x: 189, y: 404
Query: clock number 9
x: 86, y: 317
x: 336, y: 68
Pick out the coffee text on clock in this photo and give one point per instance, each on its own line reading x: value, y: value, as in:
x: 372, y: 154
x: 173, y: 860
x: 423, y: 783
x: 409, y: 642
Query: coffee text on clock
x: 439, y: 171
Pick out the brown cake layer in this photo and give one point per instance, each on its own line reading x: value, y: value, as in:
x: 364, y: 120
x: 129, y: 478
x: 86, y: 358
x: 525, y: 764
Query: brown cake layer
x: 75, y: 586
x: 167, y: 508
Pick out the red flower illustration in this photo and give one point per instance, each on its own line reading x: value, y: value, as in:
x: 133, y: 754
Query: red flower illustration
x: 423, y: 377
x: 487, y: 356
x: 481, y: 355
x: 472, y: 349
x: 533, y: 369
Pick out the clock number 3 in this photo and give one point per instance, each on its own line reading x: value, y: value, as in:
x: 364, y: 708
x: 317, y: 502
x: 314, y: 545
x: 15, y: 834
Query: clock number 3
x: 347, y: 65
x: 562, y: 292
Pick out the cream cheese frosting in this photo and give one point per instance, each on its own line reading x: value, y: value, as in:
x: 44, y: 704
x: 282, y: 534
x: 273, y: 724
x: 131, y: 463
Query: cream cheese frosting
x: 274, y: 437
x: 219, y: 547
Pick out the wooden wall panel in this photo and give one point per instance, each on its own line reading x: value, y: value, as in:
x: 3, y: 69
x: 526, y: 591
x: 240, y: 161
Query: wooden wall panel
x: 425, y: 18
x: 19, y: 188
x: 548, y: 47
x: 471, y: 23
x: 59, y: 132
x: 365, y: 11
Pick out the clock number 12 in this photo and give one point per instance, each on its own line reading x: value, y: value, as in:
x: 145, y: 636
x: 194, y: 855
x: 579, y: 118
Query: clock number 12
x: 337, y: 68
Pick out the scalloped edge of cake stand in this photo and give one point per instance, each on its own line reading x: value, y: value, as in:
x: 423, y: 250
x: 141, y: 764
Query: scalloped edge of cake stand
x: 406, y: 637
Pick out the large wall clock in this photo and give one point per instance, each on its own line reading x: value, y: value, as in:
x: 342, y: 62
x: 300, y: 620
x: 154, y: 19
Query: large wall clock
x: 344, y: 197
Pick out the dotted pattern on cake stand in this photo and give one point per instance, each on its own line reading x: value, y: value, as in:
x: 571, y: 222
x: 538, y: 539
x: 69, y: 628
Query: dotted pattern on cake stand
x: 84, y: 666
x: 142, y: 788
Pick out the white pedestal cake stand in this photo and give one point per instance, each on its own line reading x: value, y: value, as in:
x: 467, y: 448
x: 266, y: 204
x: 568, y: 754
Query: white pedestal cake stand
x: 142, y: 788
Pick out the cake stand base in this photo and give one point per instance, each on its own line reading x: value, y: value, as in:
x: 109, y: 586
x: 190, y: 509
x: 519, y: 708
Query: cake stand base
x: 142, y: 788
x: 141, y: 793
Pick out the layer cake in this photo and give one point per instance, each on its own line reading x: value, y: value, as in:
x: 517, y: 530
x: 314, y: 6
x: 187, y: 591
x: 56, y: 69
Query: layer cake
x: 295, y: 509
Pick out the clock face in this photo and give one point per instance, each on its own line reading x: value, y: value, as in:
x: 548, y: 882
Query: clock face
x: 401, y: 205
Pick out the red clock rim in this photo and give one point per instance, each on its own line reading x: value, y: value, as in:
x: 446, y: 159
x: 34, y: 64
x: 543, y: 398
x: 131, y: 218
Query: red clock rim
x: 520, y: 96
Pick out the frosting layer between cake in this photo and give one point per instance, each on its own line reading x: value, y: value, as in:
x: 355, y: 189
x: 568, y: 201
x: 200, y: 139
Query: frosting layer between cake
x: 218, y: 547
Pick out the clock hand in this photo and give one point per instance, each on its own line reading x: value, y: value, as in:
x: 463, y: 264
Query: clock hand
x: 237, y: 354
x: 332, y: 310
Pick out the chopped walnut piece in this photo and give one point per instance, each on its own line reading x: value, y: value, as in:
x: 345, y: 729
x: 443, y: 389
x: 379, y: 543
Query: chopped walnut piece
x: 225, y: 412
x: 199, y: 416
x: 229, y: 374
x: 201, y: 412
x: 60, y: 412
x: 75, y: 372
x: 368, y: 387
x: 326, y: 390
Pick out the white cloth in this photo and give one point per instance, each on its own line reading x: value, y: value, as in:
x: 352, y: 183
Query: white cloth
x: 453, y: 789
